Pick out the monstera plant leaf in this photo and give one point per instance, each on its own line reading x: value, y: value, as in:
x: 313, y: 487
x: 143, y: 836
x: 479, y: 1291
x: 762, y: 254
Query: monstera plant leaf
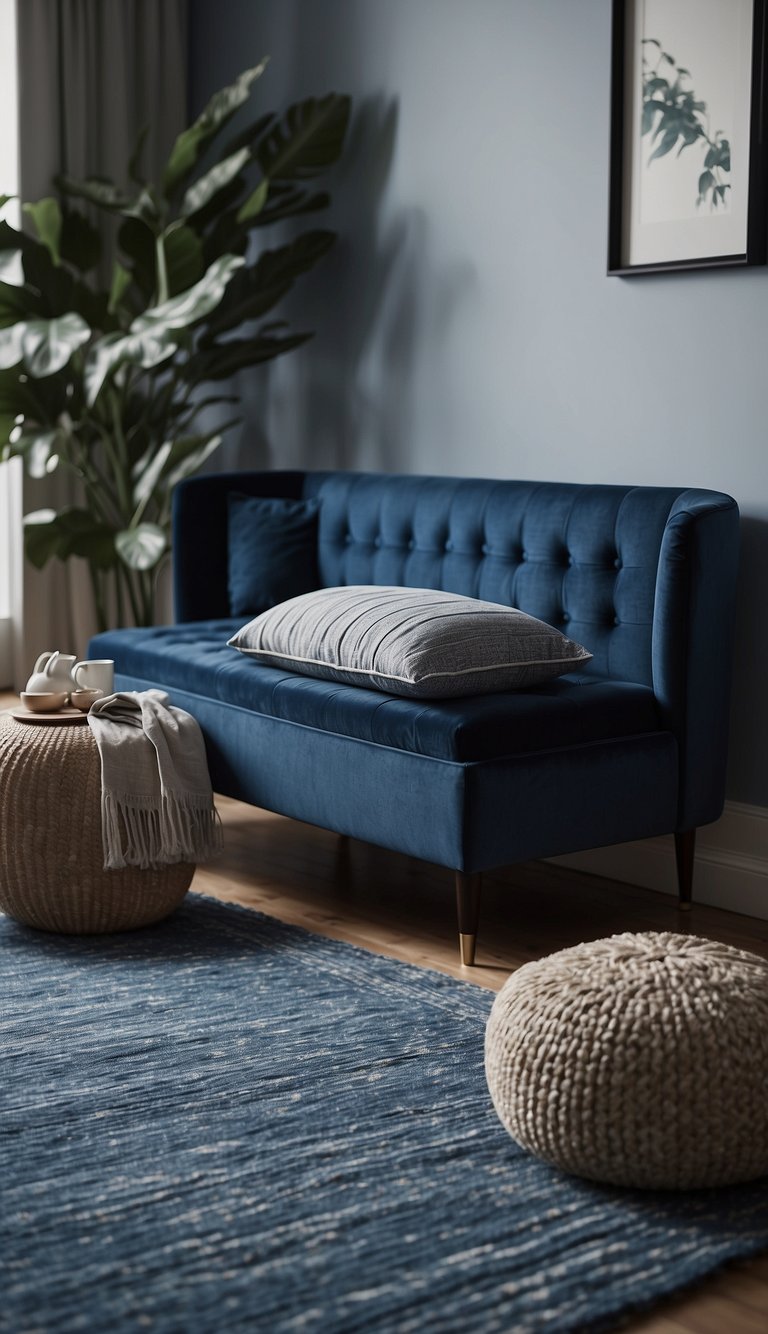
x: 184, y: 264
x: 40, y: 451
x: 42, y: 537
x: 96, y: 190
x: 181, y: 311
x: 256, y: 290
x: 217, y: 114
x: 208, y: 186
x: 147, y: 350
x: 79, y: 241
x: 105, y: 194
x: 70, y: 532
x: 141, y: 548
x: 223, y: 360
x: 254, y: 203
x: 42, y: 346
x: 17, y: 303
x: 121, y: 282
x: 47, y: 219
x: 174, y: 460
x: 307, y: 140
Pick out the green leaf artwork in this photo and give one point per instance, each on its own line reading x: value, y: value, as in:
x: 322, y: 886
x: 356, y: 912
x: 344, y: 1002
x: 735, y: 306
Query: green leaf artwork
x: 114, y: 339
x: 675, y: 118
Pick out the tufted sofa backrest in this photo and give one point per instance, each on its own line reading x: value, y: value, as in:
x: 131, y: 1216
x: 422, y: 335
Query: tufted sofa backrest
x: 581, y: 558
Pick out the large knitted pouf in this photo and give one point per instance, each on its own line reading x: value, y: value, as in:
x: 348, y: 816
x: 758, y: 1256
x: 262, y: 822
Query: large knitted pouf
x: 51, y: 859
x: 640, y: 1060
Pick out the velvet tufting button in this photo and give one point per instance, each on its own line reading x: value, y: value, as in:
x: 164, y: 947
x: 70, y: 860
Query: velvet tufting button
x: 617, y: 563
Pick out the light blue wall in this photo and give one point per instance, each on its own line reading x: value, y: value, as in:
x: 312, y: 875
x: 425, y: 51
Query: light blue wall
x: 465, y: 323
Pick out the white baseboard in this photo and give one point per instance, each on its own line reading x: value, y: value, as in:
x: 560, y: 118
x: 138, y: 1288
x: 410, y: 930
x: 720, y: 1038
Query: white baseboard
x: 731, y: 868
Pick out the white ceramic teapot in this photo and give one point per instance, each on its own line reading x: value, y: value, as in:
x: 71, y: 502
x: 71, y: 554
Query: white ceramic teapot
x: 52, y: 671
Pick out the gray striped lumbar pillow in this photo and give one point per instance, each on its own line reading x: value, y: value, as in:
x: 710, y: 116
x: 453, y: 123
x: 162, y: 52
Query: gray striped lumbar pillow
x: 408, y: 641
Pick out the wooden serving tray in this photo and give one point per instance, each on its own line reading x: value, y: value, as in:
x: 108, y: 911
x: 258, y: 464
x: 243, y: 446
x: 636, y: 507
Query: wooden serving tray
x: 59, y: 718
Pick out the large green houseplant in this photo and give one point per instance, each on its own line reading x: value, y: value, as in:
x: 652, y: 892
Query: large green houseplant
x: 104, y: 380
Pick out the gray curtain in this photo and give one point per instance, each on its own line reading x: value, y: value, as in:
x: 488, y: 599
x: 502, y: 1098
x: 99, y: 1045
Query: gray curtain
x: 91, y: 74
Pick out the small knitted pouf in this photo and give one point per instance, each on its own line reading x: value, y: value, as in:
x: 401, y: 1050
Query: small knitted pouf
x: 640, y: 1060
x: 51, y: 859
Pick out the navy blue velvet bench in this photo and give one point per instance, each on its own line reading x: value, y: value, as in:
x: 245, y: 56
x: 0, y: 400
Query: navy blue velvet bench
x: 633, y: 746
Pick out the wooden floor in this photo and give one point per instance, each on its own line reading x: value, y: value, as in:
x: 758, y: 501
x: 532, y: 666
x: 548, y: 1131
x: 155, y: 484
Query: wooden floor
x: 404, y: 908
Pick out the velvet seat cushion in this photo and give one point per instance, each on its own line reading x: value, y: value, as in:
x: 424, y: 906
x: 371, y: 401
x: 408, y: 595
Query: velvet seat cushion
x: 572, y: 710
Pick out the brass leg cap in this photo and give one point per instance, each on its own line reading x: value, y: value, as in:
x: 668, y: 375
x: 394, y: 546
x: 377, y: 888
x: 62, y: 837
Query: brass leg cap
x: 684, y: 907
x: 467, y: 946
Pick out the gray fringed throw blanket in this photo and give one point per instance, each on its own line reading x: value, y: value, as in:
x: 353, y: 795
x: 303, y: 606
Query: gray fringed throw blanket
x: 156, y: 798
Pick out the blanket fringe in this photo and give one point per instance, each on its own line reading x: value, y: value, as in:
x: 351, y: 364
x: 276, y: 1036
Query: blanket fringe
x: 139, y: 831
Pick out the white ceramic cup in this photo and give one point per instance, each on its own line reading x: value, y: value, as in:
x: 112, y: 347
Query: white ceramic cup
x: 96, y: 674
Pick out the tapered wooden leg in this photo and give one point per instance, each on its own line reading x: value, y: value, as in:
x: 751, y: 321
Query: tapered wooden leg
x: 468, y: 912
x: 685, y: 845
x: 343, y: 870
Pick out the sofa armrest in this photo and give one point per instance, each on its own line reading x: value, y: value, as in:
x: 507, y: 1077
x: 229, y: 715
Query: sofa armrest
x: 200, y: 536
x: 692, y: 644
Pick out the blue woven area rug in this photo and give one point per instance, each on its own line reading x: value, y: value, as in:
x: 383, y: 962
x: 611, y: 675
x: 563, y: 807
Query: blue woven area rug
x: 223, y: 1123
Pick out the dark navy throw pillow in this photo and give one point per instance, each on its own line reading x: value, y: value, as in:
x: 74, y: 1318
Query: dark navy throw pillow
x: 272, y: 551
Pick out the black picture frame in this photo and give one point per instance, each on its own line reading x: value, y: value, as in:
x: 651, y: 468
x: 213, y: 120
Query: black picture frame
x: 636, y: 247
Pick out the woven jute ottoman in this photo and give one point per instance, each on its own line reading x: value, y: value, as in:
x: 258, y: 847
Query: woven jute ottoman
x: 51, y: 860
x: 640, y: 1060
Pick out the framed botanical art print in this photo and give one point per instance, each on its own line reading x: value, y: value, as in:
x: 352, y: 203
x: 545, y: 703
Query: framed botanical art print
x: 688, y: 135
